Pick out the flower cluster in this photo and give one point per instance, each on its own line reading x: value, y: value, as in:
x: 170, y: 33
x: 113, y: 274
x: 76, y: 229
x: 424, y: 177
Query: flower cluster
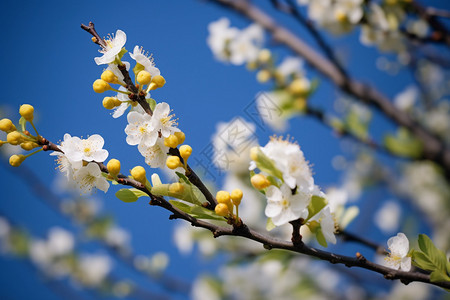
x: 286, y: 179
x: 230, y: 44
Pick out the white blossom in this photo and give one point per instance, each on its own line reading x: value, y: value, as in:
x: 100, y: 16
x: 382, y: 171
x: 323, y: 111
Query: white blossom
x: 162, y: 122
x: 284, y: 207
x: 387, y: 218
x: 146, y: 61
x: 89, y: 177
x: 246, y: 46
x: 327, y: 224
x: 139, y: 129
x: 89, y: 149
x: 113, y: 47
x: 156, y: 155
x: 290, y: 66
x: 399, y: 248
x: 94, y: 268
x: 60, y: 241
x: 220, y: 33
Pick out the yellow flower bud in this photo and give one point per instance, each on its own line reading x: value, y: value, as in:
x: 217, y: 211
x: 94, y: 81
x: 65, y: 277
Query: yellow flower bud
x: 299, y: 86
x: 159, y: 81
x: 176, y: 188
x: 185, y: 151
x: 14, y: 138
x: 264, y: 56
x: 223, y: 197
x: 7, y: 125
x: 29, y: 146
x: 113, y: 167
x: 181, y: 137
x: 171, y: 141
x: 340, y: 16
x: 236, y: 196
x: 138, y: 173
x: 109, y: 77
x: 108, y: 103
x: 16, y: 160
x: 173, y: 162
x: 300, y: 103
x: 259, y: 181
x: 144, y: 77
x: 222, y: 210
x: 100, y: 86
x: 27, y: 111
x: 263, y: 76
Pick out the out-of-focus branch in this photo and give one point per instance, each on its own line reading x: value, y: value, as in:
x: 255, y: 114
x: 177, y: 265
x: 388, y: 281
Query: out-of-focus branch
x: 441, y: 33
x: 433, y: 148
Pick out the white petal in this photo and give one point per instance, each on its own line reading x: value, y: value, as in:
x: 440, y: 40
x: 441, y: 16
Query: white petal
x: 272, y: 209
x: 406, y: 264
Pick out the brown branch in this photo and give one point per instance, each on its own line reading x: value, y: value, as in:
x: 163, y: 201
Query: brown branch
x: 97, y: 39
x: 433, y: 148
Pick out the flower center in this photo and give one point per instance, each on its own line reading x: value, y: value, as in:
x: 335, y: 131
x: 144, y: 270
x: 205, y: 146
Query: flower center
x: 142, y: 129
x: 285, y: 203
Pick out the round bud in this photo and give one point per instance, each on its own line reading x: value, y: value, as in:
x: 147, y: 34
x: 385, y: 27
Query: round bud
x: 223, y: 197
x: 300, y: 104
x: 263, y: 76
x: 113, y: 167
x: 108, y: 103
x: 264, y: 56
x: 299, y: 86
x: 173, y: 162
x: 222, y: 210
x: 176, y: 188
x: 100, y: 86
x: 7, y: 125
x: 259, y: 181
x: 138, y: 173
x: 14, y: 138
x: 159, y: 81
x: 109, y: 76
x: 29, y: 146
x: 236, y: 196
x: 171, y: 141
x: 181, y: 137
x: 27, y: 112
x: 144, y: 77
x: 185, y: 151
x: 16, y: 160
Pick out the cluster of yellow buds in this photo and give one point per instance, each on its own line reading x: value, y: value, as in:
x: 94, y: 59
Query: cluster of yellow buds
x: 111, y: 102
x: 20, y: 138
x: 227, y: 202
x: 174, y: 161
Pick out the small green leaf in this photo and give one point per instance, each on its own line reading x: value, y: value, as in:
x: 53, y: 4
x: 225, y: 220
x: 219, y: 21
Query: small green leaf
x: 200, y: 212
x: 152, y: 103
x: 434, y: 255
x: 138, y: 193
x: 439, y: 276
x: 267, y: 165
x: 316, y: 205
x: 421, y: 260
x: 269, y: 225
x: 126, y: 195
x: 183, y: 177
x: 23, y: 124
x: 356, y: 125
x: 122, y: 52
x: 403, y: 144
x: 181, y: 206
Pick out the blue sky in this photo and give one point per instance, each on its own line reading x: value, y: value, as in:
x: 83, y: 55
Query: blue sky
x: 48, y: 61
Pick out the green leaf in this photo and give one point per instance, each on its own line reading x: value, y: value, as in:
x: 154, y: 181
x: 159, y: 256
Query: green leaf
x: 269, y: 225
x: 138, y: 193
x: 183, y: 177
x: 435, y: 256
x: 126, y: 195
x: 152, y: 103
x: 316, y: 205
x: 421, y: 260
x: 357, y: 126
x: 23, y: 124
x: 200, y: 212
x: 267, y: 165
x: 403, y: 144
x: 181, y: 206
x: 439, y: 276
